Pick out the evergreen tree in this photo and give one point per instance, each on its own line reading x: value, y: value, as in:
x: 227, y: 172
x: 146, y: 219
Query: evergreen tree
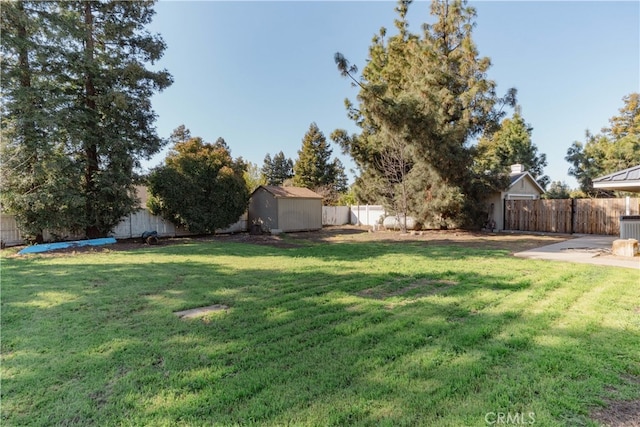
x: 616, y: 148
x: 557, y: 190
x: 510, y: 145
x: 315, y: 169
x: 39, y: 180
x: 428, y: 93
x: 89, y: 60
x: 200, y: 186
x: 277, y: 170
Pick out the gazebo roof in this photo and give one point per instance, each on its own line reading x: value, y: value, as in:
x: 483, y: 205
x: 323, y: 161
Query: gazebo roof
x: 624, y: 180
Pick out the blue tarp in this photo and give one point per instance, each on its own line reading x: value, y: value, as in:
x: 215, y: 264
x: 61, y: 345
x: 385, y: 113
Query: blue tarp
x: 63, y: 245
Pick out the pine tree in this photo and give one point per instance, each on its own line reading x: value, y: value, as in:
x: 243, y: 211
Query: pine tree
x: 277, y: 170
x: 39, y: 180
x: 315, y: 169
x: 312, y: 168
x: 429, y: 93
x: 90, y: 59
x: 510, y: 145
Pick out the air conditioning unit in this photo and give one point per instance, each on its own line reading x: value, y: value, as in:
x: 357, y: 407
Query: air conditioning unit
x: 630, y: 227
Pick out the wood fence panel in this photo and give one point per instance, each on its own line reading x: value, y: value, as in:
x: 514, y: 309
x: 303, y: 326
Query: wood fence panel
x: 538, y: 215
x: 601, y: 216
x: 583, y: 216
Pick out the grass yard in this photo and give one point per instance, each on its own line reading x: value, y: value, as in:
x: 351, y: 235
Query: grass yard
x: 342, y: 333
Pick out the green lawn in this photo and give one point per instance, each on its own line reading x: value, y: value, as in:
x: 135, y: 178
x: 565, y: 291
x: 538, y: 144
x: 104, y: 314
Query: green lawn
x: 326, y: 334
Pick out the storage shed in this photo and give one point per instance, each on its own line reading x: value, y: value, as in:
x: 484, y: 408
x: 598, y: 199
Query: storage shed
x: 522, y: 186
x: 285, y: 209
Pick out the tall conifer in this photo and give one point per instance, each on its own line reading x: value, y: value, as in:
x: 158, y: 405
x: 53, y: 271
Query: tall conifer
x: 430, y: 94
x: 96, y: 122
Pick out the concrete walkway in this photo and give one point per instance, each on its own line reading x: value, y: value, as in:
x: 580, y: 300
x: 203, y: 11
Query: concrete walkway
x: 586, y: 249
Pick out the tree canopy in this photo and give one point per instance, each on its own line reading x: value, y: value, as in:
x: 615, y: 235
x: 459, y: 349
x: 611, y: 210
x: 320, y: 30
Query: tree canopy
x: 617, y: 147
x: 511, y: 144
x: 253, y: 177
x: 200, y: 186
x: 429, y: 94
x: 276, y: 170
x: 76, y: 111
x: 557, y: 190
x: 316, y: 170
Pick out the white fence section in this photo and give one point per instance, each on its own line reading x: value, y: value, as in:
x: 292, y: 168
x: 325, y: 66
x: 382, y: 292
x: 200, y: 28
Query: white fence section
x: 238, y: 227
x: 367, y: 214
x: 336, y: 215
x: 9, y: 233
x: 131, y: 227
x: 135, y: 224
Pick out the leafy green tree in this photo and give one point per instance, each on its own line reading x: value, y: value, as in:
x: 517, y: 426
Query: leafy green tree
x: 628, y: 122
x: 557, y: 190
x: 616, y: 148
x: 509, y: 145
x: 277, y: 170
x: 200, y: 186
x: 430, y: 93
x: 253, y: 177
x: 587, y: 159
x: 87, y: 77
x: 348, y: 198
x: 315, y: 169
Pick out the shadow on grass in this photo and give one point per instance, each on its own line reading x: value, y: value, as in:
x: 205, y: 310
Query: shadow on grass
x: 302, y: 343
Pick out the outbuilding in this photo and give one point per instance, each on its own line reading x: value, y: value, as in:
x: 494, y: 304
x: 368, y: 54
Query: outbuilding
x: 522, y: 186
x: 285, y: 209
x: 624, y: 180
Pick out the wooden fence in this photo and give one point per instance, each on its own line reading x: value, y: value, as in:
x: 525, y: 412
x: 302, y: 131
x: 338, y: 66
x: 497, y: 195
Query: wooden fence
x: 583, y: 216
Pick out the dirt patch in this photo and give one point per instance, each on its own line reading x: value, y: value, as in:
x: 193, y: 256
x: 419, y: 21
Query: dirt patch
x: 512, y: 242
x: 623, y: 413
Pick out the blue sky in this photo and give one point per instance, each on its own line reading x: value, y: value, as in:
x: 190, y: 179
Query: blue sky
x: 258, y: 73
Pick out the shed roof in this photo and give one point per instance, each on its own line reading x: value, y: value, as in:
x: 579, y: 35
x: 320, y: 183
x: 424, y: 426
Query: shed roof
x: 624, y: 180
x: 515, y: 177
x: 291, y: 192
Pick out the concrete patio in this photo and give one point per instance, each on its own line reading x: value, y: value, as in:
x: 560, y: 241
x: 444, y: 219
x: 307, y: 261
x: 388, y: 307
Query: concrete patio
x: 586, y: 249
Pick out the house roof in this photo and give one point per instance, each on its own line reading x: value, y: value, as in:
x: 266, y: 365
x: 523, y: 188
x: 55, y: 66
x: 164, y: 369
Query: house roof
x: 290, y: 192
x: 624, y: 180
x: 516, y: 177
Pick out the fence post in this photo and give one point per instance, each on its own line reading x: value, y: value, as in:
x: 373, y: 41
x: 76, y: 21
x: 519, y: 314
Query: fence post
x: 573, y: 215
x: 504, y: 213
